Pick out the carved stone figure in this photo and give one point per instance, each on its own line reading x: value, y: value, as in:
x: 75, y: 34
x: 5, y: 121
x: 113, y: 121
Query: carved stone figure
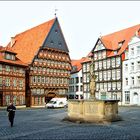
x: 92, y: 81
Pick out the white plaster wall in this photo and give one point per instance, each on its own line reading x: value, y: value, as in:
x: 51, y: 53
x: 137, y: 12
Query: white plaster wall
x: 74, y: 75
x: 132, y: 58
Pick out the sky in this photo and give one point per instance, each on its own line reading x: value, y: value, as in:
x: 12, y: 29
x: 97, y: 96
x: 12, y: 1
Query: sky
x: 82, y: 22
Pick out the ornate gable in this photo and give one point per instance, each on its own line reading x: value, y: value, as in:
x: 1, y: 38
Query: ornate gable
x: 55, y: 38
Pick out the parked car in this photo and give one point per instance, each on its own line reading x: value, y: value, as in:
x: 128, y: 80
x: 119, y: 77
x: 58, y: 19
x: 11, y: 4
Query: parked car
x: 57, y: 103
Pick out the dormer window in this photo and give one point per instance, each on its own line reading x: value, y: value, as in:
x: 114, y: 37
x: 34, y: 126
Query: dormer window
x: 121, y: 43
x: 52, y: 42
x: 115, y: 52
x: 74, y: 68
x: 9, y: 56
x: 59, y: 44
x: 56, y: 31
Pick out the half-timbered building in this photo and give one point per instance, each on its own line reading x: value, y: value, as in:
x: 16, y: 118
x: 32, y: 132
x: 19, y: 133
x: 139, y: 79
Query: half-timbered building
x: 108, y: 54
x: 45, y: 51
x: 12, y: 78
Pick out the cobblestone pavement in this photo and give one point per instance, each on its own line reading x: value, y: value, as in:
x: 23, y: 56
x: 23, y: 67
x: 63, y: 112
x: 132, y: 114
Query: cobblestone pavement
x: 47, y: 124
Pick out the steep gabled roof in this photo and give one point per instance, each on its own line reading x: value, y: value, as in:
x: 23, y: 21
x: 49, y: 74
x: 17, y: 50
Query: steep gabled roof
x: 111, y: 41
x: 27, y: 44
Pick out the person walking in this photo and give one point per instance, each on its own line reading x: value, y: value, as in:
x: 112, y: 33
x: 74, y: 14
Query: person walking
x: 11, y: 113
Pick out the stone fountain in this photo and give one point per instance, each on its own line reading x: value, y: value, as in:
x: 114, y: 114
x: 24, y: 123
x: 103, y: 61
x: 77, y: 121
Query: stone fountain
x: 93, y: 110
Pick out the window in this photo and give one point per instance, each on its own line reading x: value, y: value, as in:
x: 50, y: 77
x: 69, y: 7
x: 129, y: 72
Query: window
x: 108, y: 63
x: 132, y: 66
x: 86, y: 87
x: 105, y: 86
x: 118, y: 74
x: 52, y: 42
x: 126, y: 81
x: 95, y: 56
x: 14, y: 82
x: 43, y: 79
x: 109, y: 86
x: 97, y: 87
x: 138, y: 80
x: 119, y: 85
x: 14, y: 69
x: 81, y: 79
x: 0, y: 67
x: 100, y: 64
x: 39, y: 79
x: 21, y: 70
x: 7, y: 82
x: 113, y: 62
x: 34, y: 79
x: 88, y: 77
x: 132, y: 79
x: 84, y: 67
x: 88, y: 67
x: 0, y: 81
x: 77, y: 80
x: 138, y: 50
x: 7, y: 68
x: 132, y: 51
x: 109, y: 74
x: 96, y: 65
x: 126, y: 67
x: 113, y: 75
x: 100, y: 76
x: 126, y: 54
x: 8, y: 56
x: 96, y: 74
x: 99, y: 55
x: 104, y: 64
x: 7, y: 98
x: 81, y: 88
x: 114, y: 85
x: 104, y: 54
x: 20, y: 83
x: 77, y: 88
x: 118, y: 61
x: 105, y: 75
x: 101, y: 86
x: 84, y: 77
x: 127, y: 97
x: 42, y: 91
x: 138, y: 65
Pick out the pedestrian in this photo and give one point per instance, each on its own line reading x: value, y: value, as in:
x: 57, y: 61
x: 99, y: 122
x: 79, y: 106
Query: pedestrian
x: 11, y: 113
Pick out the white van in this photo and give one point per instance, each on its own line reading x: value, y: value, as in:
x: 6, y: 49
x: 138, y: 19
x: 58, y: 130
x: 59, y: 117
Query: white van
x: 57, y: 103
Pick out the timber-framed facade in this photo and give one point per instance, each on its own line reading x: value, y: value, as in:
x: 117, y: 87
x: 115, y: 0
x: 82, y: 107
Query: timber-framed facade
x: 44, y: 50
x: 12, y: 78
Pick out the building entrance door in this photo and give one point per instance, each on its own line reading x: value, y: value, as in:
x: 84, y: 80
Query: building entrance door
x: 49, y: 96
x: 135, y: 98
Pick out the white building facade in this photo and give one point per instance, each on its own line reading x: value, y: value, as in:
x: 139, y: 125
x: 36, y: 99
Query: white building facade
x: 131, y: 73
x: 76, y: 86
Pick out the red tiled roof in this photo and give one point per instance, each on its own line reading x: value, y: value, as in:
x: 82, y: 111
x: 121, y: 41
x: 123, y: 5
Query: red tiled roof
x: 7, y: 49
x: 3, y: 60
x: 111, y: 41
x: 87, y: 59
x: 28, y: 43
x: 78, y: 64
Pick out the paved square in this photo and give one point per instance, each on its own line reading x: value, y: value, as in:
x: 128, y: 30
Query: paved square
x: 47, y: 124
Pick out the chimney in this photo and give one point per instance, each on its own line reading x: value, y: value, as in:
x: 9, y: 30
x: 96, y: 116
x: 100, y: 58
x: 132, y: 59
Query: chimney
x: 12, y: 41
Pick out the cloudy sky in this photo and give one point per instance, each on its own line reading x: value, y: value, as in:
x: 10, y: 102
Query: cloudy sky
x: 82, y: 22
